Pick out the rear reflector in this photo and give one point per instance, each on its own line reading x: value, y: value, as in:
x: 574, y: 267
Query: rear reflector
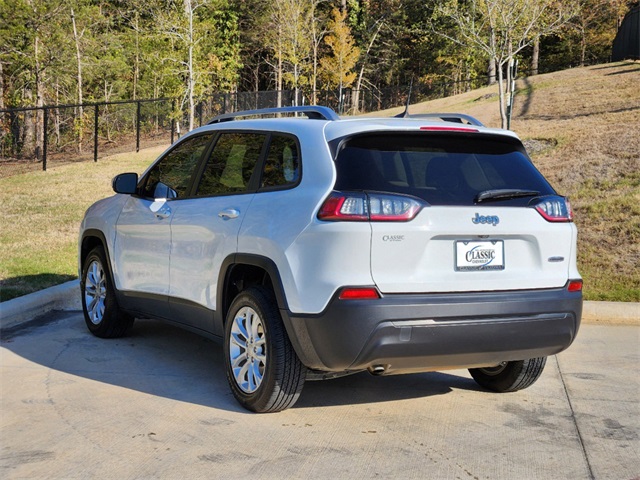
x: 366, y: 293
x: 575, y: 286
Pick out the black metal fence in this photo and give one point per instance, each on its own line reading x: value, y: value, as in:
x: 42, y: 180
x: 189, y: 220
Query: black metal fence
x: 34, y: 138
x: 627, y: 42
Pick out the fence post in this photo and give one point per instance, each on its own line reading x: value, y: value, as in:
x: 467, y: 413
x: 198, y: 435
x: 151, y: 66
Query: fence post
x: 45, y: 124
x: 137, y: 126
x: 95, y: 134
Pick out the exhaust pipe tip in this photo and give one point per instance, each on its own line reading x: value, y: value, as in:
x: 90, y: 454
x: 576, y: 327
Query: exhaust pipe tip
x: 377, y: 370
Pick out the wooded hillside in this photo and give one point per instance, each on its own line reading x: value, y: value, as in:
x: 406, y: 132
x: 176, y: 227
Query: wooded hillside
x: 70, y: 51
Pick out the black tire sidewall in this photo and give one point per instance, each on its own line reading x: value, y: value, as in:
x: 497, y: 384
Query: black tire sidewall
x: 284, y: 374
x: 113, y: 323
x: 515, y: 376
x: 252, y: 299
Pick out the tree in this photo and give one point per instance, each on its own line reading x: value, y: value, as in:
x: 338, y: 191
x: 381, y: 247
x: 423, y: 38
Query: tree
x: 503, y: 28
x: 596, y: 23
x: 338, y: 67
x: 296, y: 40
x: 31, y: 46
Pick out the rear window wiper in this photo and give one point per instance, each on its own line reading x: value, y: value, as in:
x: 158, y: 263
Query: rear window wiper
x: 505, y: 193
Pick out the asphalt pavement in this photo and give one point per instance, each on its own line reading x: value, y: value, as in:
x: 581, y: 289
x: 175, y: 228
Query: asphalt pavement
x: 156, y: 405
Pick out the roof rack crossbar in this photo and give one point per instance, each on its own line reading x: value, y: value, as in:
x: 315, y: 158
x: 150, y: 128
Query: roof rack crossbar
x: 450, y: 117
x: 315, y: 112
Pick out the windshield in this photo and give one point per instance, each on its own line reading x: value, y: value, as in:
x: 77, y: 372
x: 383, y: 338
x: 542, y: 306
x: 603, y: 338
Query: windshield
x: 442, y: 169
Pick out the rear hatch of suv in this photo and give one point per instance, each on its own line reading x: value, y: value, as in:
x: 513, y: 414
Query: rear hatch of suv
x: 453, y: 211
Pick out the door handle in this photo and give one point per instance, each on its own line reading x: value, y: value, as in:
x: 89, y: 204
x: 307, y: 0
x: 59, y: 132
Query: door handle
x: 229, y: 213
x: 164, y: 212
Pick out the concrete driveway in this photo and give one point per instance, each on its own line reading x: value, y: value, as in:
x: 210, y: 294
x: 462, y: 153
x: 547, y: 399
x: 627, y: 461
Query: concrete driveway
x: 156, y: 405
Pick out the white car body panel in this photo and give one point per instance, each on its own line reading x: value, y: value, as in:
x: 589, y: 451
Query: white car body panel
x: 200, y: 241
x: 422, y: 258
x: 102, y: 217
x: 142, y: 247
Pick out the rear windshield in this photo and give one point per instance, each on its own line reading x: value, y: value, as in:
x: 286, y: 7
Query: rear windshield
x: 442, y: 169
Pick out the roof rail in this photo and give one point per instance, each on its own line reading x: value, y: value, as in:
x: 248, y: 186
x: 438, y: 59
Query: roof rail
x: 315, y: 112
x: 450, y: 117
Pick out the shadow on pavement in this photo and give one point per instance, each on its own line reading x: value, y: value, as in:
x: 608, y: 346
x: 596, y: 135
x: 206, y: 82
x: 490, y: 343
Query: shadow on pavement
x: 162, y: 360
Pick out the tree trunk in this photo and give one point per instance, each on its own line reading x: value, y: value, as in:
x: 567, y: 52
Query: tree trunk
x: 501, y: 94
x: 80, y: 113
x: 356, y: 100
x: 314, y: 76
x: 491, y: 69
x: 56, y: 118
x: 191, y: 80
x: 1, y: 88
x: 583, y: 46
x: 535, y: 57
x: 29, y: 123
x: 279, y: 71
x: 316, y: 45
x: 136, y: 60
x: 39, y: 117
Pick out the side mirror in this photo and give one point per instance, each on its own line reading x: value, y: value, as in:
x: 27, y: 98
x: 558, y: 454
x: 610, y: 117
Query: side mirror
x: 125, y: 183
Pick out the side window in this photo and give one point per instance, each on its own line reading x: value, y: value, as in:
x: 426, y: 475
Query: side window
x: 282, y: 166
x: 231, y: 164
x: 169, y: 178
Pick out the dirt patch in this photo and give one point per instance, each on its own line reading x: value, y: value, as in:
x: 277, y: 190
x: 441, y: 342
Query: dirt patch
x: 536, y: 146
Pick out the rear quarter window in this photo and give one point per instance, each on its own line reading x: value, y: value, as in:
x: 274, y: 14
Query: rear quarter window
x: 442, y: 169
x: 282, y: 165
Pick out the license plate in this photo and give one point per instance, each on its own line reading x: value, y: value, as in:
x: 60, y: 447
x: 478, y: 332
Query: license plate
x: 483, y: 255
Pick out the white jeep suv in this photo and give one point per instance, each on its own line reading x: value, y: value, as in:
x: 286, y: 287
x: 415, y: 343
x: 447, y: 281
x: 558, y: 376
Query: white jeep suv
x: 318, y: 247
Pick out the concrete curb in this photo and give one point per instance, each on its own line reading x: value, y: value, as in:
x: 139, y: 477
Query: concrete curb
x: 23, y: 309
x: 67, y: 297
x: 611, y: 313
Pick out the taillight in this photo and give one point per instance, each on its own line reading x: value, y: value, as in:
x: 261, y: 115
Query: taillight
x: 359, y: 293
x: 555, y: 209
x: 574, y: 286
x: 362, y: 207
x: 344, y: 207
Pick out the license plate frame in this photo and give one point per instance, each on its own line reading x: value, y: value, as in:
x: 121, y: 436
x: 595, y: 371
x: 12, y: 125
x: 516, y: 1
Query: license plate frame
x: 479, y: 255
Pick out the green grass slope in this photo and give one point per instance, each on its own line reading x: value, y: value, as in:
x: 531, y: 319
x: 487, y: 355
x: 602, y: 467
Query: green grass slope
x: 582, y: 129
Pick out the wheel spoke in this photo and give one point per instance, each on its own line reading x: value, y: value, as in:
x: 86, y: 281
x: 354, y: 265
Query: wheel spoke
x: 95, y: 292
x: 239, y: 340
x: 240, y: 322
x: 237, y: 361
x: 241, y: 374
x: 254, y: 376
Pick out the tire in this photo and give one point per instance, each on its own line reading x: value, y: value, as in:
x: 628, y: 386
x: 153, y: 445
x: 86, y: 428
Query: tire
x: 509, y: 376
x: 263, y: 370
x: 99, y: 305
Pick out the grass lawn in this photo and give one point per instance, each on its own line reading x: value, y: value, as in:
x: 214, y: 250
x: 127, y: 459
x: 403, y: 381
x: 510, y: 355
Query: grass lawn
x: 41, y: 217
x: 582, y: 129
x: 580, y: 126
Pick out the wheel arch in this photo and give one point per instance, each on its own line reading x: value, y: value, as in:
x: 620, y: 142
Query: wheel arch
x: 254, y: 267
x: 240, y: 271
x: 92, y: 238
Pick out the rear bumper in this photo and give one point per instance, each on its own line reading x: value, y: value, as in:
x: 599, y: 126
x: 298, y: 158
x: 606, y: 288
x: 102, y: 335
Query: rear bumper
x: 409, y: 332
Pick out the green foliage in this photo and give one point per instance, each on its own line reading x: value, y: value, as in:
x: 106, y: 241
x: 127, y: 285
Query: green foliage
x: 140, y: 48
x: 337, y: 68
